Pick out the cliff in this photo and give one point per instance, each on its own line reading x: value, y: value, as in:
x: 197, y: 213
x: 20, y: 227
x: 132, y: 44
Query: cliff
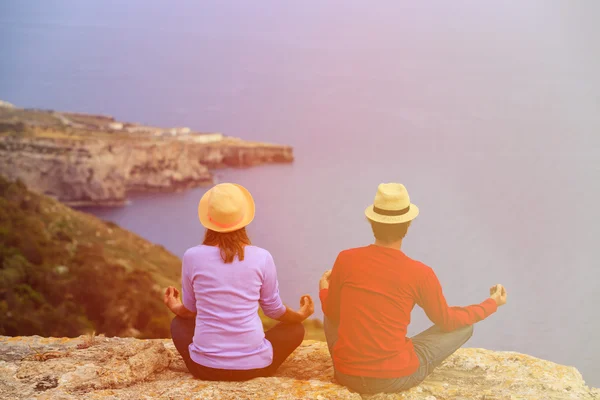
x: 83, y: 159
x: 118, y: 368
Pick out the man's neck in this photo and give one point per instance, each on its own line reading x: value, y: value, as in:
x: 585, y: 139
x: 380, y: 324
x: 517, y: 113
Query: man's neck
x: 391, y: 245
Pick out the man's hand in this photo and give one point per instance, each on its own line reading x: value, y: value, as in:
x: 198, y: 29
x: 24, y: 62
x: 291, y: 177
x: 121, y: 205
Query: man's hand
x: 498, y: 293
x: 307, y: 307
x: 324, y: 282
x: 172, y: 298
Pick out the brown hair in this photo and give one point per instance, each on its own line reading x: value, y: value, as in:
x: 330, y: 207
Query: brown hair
x: 388, y: 233
x: 231, y: 244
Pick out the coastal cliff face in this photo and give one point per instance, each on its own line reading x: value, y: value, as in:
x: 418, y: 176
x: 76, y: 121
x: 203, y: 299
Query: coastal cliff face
x: 127, y: 368
x: 94, y: 160
x: 94, y: 172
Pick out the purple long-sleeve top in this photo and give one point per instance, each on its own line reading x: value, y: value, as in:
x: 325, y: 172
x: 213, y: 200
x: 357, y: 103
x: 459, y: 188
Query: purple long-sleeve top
x: 226, y: 297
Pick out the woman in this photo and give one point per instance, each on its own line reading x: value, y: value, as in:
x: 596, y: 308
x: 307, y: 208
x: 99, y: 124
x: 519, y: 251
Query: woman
x: 217, y: 329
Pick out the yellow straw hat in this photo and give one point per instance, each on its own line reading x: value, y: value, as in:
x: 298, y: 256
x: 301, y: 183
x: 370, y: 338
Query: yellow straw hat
x: 392, y: 205
x: 226, y: 207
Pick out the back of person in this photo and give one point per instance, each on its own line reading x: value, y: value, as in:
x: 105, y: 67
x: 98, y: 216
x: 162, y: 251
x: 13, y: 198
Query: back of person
x: 228, y: 327
x: 367, y: 298
x: 217, y: 329
x: 379, y: 290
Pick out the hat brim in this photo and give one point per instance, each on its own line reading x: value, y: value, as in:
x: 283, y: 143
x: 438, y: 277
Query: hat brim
x: 249, y: 211
x: 412, y: 213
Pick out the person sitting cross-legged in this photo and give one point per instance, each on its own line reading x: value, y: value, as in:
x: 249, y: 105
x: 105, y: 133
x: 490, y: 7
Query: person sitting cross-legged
x: 367, y: 298
x: 217, y: 329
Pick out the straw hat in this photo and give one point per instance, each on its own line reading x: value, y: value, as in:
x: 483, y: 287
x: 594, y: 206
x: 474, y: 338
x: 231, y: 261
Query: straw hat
x: 392, y: 205
x: 226, y: 207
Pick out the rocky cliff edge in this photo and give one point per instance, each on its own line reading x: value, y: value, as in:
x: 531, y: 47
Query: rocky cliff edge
x: 126, y: 368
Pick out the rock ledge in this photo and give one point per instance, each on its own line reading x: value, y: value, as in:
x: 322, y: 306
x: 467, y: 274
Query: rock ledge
x: 127, y: 368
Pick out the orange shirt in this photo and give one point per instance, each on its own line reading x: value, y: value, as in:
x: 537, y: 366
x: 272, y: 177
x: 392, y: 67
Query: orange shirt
x: 372, y: 291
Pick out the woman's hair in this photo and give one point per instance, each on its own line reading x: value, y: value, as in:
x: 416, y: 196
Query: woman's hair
x: 388, y: 233
x: 230, y: 243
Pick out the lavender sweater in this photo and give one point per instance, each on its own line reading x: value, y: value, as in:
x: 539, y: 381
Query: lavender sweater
x: 229, y: 333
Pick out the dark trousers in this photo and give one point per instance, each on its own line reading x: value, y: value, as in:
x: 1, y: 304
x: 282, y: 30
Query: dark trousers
x: 432, y: 346
x: 284, y: 337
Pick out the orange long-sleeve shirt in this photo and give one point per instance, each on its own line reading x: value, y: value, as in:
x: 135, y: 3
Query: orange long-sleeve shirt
x: 372, y: 291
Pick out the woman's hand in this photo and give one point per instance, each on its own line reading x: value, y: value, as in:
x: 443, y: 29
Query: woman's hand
x: 307, y: 307
x: 324, y: 281
x: 172, y: 298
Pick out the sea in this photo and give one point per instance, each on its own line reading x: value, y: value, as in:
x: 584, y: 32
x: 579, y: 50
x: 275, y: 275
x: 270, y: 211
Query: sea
x: 488, y: 113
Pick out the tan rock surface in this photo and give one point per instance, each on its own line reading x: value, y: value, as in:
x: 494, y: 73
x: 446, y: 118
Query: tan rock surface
x: 126, y: 368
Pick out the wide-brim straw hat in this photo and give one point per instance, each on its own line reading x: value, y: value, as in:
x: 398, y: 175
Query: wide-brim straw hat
x: 226, y: 207
x: 392, y: 205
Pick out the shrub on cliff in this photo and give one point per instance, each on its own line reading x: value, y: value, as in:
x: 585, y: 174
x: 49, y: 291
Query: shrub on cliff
x: 57, y: 280
x: 15, y: 128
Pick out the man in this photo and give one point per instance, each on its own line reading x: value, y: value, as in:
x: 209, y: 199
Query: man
x: 367, y: 299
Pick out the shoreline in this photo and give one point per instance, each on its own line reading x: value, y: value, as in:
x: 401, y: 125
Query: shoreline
x: 82, y: 205
x: 87, y: 160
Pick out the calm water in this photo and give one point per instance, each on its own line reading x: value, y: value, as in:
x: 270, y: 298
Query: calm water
x: 489, y: 114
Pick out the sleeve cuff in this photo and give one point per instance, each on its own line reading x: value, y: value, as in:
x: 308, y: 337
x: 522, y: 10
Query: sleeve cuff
x: 489, y: 306
x: 190, y: 306
x: 323, y: 297
x: 274, y: 311
x: 323, y: 294
x: 279, y: 311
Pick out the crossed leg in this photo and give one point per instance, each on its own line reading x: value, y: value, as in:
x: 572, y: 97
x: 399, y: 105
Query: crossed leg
x: 432, y: 346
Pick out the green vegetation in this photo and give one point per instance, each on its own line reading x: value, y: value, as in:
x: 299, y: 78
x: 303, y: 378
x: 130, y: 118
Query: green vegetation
x: 64, y: 273
x: 33, y: 117
x: 16, y: 128
x: 67, y: 273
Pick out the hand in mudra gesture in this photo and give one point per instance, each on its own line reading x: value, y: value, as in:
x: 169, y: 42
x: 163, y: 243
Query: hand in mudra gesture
x: 307, y: 307
x: 498, y: 293
x: 324, y: 281
x: 172, y: 297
